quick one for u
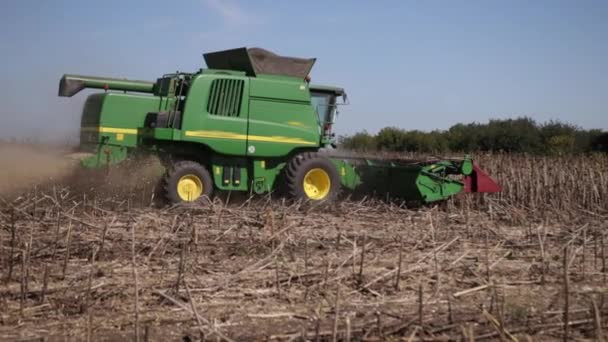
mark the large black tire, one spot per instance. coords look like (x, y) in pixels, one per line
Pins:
(304, 166)
(182, 180)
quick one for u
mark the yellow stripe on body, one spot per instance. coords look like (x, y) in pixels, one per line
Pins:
(103, 129)
(216, 134)
(210, 134)
(280, 139)
(297, 124)
(235, 136)
(117, 130)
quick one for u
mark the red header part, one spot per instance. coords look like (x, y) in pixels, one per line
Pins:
(479, 181)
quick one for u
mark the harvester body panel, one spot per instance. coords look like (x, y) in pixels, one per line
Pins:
(113, 118)
(281, 118)
(216, 113)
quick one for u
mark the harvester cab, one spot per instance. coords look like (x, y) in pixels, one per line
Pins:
(251, 122)
(324, 100)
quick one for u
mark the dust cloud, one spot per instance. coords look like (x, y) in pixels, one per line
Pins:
(25, 166)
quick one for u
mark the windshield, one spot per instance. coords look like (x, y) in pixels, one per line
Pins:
(324, 104)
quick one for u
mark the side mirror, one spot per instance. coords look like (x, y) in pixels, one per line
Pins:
(345, 99)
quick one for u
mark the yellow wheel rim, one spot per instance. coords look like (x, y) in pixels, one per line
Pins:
(189, 188)
(317, 184)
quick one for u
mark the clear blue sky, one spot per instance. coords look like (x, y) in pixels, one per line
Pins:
(412, 64)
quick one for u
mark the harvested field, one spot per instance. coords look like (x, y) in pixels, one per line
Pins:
(529, 262)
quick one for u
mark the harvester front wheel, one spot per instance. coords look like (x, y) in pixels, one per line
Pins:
(310, 176)
(187, 181)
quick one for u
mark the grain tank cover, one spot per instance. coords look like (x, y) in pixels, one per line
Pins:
(256, 61)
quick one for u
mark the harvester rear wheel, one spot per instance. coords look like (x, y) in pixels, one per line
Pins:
(187, 181)
(310, 176)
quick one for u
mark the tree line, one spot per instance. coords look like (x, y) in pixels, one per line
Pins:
(521, 135)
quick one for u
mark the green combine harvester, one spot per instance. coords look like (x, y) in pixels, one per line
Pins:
(251, 122)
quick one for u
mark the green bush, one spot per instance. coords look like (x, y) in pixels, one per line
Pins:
(520, 135)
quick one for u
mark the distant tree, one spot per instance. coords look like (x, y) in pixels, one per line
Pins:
(464, 138)
(439, 141)
(558, 137)
(511, 135)
(412, 141)
(418, 141)
(560, 144)
(520, 135)
(555, 128)
(600, 143)
(584, 140)
(390, 139)
(361, 141)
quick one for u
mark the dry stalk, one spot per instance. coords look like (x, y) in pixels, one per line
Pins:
(89, 337)
(450, 317)
(338, 238)
(348, 328)
(326, 274)
(398, 275)
(193, 232)
(487, 258)
(136, 282)
(500, 330)
(336, 314)
(86, 307)
(541, 247)
(435, 260)
(67, 250)
(276, 277)
(306, 255)
(583, 263)
(595, 251)
(28, 256)
(22, 287)
(53, 254)
(379, 324)
(467, 332)
(412, 336)
(193, 307)
(354, 262)
(181, 265)
(420, 305)
(103, 237)
(603, 256)
(185, 308)
(360, 277)
(597, 321)
(13, 230)
(566, 295)
(317, 329)
(415, 265)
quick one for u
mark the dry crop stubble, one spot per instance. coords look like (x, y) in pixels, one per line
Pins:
(477, 268)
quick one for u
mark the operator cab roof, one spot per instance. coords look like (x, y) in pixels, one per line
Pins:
(327, 89)
(256, 61)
